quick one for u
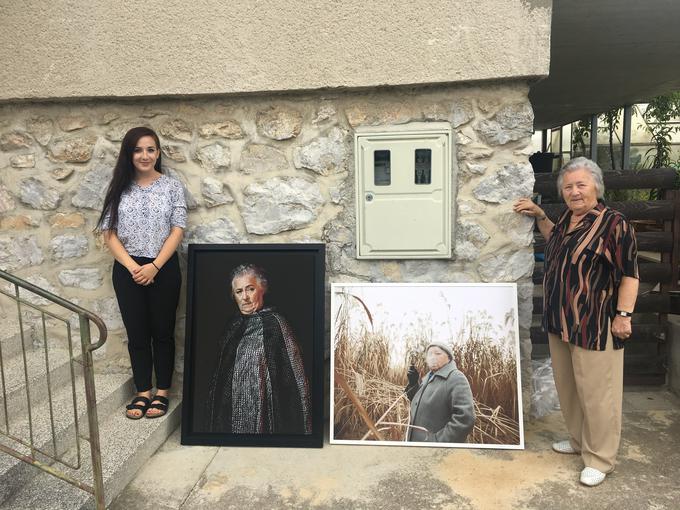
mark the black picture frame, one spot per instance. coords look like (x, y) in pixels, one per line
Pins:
(295, 274)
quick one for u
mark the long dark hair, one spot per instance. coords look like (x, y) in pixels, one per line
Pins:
(124, 172)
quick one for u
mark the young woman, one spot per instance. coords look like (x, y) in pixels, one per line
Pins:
(143, 221)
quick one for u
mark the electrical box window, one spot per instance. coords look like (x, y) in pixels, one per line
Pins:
(382, 175)
(423, 166)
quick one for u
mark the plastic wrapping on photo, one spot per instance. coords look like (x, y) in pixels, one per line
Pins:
(543, 393)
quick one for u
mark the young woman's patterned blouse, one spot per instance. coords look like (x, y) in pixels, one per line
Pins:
(146, 215)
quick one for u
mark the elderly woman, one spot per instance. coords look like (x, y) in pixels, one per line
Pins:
(259, 384)
(442, 408)
(589, 288)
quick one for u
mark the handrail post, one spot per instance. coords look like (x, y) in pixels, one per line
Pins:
(625, 143)
(672, 227)
(675, 254)
(593, 137)
(93, 423)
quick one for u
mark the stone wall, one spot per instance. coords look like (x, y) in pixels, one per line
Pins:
(261, 169)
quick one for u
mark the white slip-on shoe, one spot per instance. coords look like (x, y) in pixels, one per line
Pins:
(563, 447)
(592, 477)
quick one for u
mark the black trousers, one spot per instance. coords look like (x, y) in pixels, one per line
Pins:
(149, 316)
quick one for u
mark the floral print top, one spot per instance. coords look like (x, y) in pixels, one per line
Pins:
(146, 215)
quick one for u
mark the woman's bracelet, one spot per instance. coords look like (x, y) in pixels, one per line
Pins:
(154, 265)
(541, 218)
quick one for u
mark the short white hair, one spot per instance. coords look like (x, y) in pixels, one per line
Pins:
(258, 272)
(585, 164)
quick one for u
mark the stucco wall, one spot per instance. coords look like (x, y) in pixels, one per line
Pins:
(68, 49)
(261, 169)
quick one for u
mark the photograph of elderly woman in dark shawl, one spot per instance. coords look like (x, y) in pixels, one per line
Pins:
(253, 354)
(259, 384)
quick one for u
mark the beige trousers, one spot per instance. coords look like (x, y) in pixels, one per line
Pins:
(590, 388)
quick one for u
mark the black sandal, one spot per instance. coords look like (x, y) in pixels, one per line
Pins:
(162, 405)
(140, 403)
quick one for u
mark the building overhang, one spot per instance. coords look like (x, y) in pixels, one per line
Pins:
(605, 54)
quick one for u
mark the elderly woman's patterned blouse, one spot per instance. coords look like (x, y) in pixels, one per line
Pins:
(583, 271)
(146, 215)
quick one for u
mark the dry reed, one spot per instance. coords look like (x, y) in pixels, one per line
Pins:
(363, 358)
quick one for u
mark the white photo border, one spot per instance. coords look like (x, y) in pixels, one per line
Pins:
(335, 288)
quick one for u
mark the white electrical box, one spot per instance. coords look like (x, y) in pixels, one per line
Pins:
(403, 191)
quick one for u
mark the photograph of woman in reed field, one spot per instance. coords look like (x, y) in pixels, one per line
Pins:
(381, 337)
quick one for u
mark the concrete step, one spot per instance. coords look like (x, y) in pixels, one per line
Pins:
(10, 332)
(126, 446)
(42, 368)
(112, 391)
(10, 338)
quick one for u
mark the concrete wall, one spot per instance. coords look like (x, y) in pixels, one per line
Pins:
(261, 169)
(71, 49)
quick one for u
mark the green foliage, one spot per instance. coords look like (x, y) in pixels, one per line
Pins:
(660, 112)
(625, 195)
(611, 118)
(660, 121)
(580, 130)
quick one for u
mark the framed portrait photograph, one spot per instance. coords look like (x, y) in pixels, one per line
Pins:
(253, 359)
(433, 364)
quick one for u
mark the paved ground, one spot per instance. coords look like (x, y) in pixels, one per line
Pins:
(373, 477)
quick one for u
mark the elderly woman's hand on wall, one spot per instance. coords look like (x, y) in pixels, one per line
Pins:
(527, 207)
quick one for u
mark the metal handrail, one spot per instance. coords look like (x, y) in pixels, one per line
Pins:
(61, 302)
(87, 347)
